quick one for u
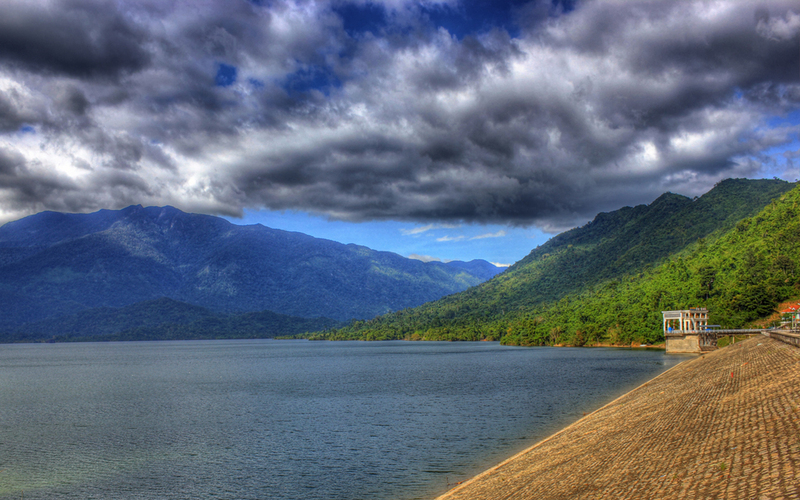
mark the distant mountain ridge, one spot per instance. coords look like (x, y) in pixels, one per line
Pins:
(56, 264)
(477, 267)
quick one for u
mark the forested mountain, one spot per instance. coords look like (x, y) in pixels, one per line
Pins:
(56, 265)
(735, 250)
(164, 319)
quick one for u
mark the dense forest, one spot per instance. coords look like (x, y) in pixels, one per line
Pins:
(164, 319)
(735, 250)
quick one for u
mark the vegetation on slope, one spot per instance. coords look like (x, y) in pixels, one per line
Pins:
(609, 280)
(739, 277)
(164, 319)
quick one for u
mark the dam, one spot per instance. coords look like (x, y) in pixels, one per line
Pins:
(725, 424)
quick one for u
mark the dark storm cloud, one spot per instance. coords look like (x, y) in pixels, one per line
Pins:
(78, 37)
(711, 57)
(539, 113)
(11, 119)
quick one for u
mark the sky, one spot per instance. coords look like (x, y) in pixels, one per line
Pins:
(449, 129)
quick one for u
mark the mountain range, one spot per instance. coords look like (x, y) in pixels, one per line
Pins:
(56, 268)
(158, 273)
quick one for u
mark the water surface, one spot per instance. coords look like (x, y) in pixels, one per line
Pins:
(266, 419)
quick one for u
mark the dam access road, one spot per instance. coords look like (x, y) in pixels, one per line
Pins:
(725, 425)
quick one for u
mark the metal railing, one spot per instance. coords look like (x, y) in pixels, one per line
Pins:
(721, 331)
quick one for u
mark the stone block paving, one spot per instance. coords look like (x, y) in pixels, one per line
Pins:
(725, 425)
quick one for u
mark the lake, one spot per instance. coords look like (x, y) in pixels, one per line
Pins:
(274, 419)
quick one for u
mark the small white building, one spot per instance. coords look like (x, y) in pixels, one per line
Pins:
(687, 330)
(687, 320)
(791, 317)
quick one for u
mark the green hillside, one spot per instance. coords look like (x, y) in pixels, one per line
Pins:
(609, 280)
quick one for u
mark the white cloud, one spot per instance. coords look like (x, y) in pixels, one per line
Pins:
(428, 227)
(498, 234)
(424, 258)
(450, 238)
(783, 27)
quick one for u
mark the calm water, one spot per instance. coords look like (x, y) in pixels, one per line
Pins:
(265, 419)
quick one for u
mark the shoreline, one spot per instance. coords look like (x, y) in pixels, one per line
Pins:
(517, 455)
(708, 427)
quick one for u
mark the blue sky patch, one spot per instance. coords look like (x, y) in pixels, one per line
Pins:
(498, 243)
(361, 18)
(475, 16)
(311, 78)
(226, 75)
(791, 119)
(472, 17)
